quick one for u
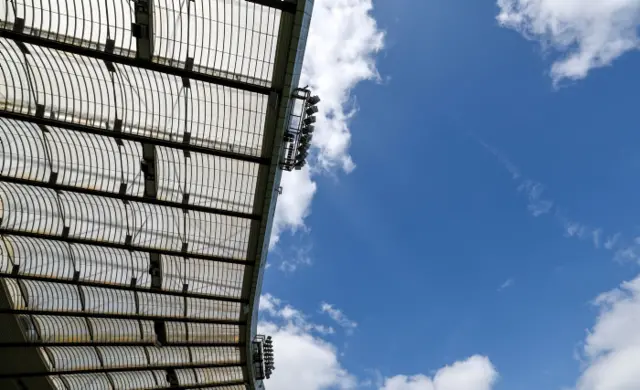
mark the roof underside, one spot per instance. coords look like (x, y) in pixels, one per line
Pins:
(135, 192)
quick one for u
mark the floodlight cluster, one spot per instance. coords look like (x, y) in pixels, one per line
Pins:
(267, 350)
(306, 131)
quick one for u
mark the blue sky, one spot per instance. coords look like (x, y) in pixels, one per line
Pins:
(494, 197)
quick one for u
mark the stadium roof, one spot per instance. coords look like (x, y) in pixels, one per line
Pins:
(140, 145)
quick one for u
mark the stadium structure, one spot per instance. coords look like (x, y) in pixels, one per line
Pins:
(141, 148)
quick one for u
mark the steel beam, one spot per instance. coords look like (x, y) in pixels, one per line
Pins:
(122, 287)
(204, 386)
(116, 316)
(132, 137)
(43, 344)
(133, 61)
(130, 198)
(118, 369)
(136, 248)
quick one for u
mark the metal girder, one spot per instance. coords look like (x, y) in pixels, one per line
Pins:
(121, 287)
(119, 369)
(42, 344)
(126, 246)
(204, 385)
(283, 5)
(132, 61)
(132, 137)
(126, 197)
(264, 203)
(84, 314)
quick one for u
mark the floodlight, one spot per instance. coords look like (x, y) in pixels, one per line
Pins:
(312, 110)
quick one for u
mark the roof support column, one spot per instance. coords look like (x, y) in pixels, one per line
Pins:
(142, 29)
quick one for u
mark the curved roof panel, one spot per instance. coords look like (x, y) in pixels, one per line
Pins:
(140, 145)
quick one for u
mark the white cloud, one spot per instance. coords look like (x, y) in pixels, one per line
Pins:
(269, 304)
(287, 314)
(343, 40)
(341, 48)
(475, 373)
(294, 204)
(304, 361)
(587, 33)
(338, 316)
(612, 347)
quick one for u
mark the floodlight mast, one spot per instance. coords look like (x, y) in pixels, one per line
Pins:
(263, 357)
(299, 132)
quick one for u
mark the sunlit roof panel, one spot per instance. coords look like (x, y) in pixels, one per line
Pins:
(81, 90)
(201, 332)
(208, 375)
(135, 186)
(105, 220)
(235, 39)
(97, 381)
(139, 380)
(231, 39)
(81, 23)
(202, 276)
(60, 329)
(68, 299)
(211, 181)
(40, 258)
(100, 163)
(88, 358)
(222, 374)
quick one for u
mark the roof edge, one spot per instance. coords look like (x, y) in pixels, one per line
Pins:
(298, 31)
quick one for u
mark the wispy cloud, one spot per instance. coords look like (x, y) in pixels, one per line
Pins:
(531, 188)
(578, 230)
(507, 283)
(295, 257)
(612, 241)
(506, 163)
(597, 237)
(538, 205)
(274, 308)
(338, 316)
